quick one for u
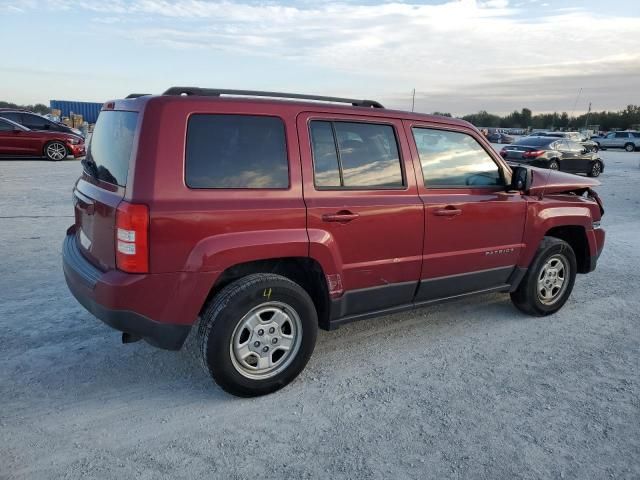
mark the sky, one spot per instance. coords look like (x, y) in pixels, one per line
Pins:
(460, 56)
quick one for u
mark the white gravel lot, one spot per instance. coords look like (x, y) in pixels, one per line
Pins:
(471, 389)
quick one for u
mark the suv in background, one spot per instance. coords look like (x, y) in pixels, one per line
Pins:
(33, 121)
(629, 140)
(264, 219)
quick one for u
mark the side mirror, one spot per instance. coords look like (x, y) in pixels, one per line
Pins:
(521, 179)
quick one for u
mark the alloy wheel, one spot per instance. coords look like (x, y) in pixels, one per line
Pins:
(56, 151)
(553, 279)
(266, 340)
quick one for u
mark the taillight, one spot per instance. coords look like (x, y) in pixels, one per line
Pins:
(533, 154)
(132, 237)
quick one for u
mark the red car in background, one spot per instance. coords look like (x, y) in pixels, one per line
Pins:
(17, 140)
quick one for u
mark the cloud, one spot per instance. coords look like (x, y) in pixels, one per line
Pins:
(443, 48)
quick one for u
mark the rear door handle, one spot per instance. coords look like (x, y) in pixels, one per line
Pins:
(449, 211)
(343, 216)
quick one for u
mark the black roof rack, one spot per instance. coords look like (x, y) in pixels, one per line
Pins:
(136, 95)
(216, 92)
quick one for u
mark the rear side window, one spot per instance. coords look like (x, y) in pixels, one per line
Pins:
(236, 151)
(454, 159)
(111, 146)
(355, 155)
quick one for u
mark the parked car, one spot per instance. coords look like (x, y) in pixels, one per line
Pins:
(574, 137)
(265, 219)
(17, 140)
(555, 154)
(628, 140)
(33, 121)
(497, 137)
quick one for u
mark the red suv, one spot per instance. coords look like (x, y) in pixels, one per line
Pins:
(265, 219)
(17, 140)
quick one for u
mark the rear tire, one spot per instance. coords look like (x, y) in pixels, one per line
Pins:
(554, 165)
(549, 279)
(630, 147)
(55, 151)
(258, 334)
(596, 169)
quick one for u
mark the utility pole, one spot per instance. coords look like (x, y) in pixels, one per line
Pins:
(413, 99)
(576, 102)
(586, 123)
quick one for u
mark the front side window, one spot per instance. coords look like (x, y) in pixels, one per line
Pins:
(355, 155)
(622, 135)
(236, 151)
(454, 159)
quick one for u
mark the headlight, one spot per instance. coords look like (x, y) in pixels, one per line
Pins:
(73, 141)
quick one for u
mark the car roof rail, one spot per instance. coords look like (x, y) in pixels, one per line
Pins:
(137, 95)
(217, 92)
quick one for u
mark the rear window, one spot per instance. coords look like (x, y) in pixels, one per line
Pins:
(355, 155)
(535, 141)
(111, 145)
(236, 151)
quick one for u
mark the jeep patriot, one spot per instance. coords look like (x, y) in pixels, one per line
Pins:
(264, 216)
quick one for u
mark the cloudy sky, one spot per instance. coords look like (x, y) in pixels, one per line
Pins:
(460, 55)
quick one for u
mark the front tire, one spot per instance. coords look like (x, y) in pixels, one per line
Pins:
(549, 279)
(630, 147)
(596, 169)
(55, 151)
(554, 165)
(258, 334)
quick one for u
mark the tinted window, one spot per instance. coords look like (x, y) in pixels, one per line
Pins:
(622, 135)
(13, 116)
(111, 145)
(35, 122)
(5, 126)
(635, 134)
(454, 159)
(325, 158)
(367, 155)
(236, 151)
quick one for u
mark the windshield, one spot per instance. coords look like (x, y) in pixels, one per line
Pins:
(110, 148)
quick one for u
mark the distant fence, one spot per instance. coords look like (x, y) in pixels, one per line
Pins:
(88, 110)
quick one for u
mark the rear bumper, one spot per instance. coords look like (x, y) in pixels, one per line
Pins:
(97, 291)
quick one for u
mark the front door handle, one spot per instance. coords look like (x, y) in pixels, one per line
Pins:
(343, 216)
(448, 211)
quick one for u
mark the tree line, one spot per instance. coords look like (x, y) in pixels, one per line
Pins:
(40, 108)
(620, 120)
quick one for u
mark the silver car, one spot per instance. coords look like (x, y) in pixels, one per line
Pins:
(630, 141)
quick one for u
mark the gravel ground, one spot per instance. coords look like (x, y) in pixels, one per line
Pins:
(471, 389)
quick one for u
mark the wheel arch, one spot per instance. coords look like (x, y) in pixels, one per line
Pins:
(305, 271)
(576, 236)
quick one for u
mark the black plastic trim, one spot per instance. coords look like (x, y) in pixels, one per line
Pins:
(87, 272)
(362, 301)
(443, 287)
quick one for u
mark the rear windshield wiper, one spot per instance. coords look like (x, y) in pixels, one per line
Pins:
(90, 167)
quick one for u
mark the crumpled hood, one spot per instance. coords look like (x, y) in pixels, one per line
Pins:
(546, 181)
